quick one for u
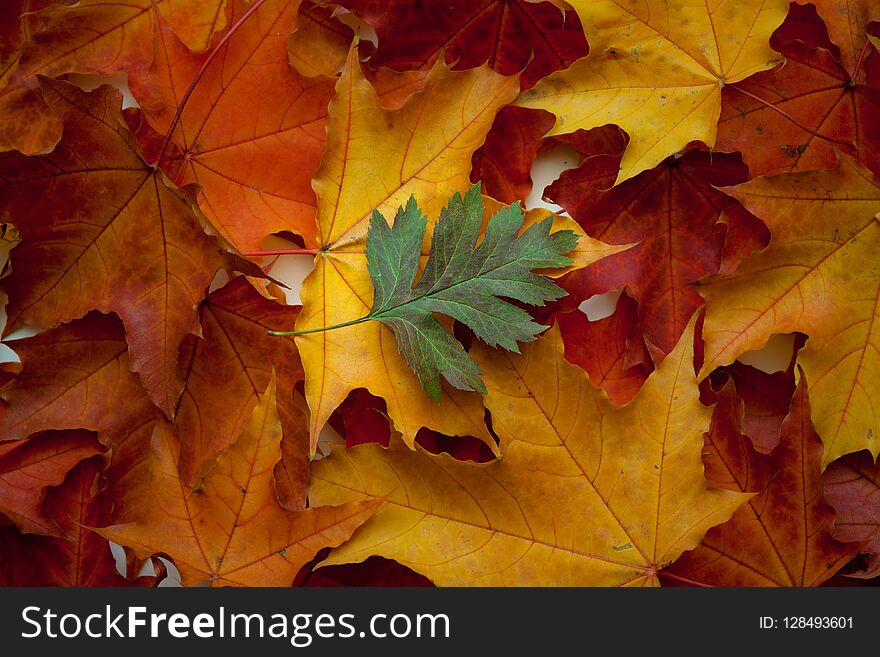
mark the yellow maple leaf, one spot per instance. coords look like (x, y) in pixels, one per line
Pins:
(656, 69)
(587, 493)
(376, 158)
(820, 276)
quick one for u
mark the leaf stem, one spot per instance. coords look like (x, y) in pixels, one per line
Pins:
(790, 117)
(687, 580)
(320, 329)
(280, 252)
(861, 59)
(201, 72)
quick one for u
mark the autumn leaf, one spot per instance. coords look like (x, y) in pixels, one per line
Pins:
(364, 419)
(26, 123)
(231, 531)
(587, 493)
(818, 277)
(781, 537)
(79, 376)
(847, 22)
(852, 487)
(794, 117)
(28, 467)
(247, 128)
(503, 164)
(102, 230)
(320, 44)
(605, 349)
(227, 368)
(82, 558)
(657, 71)
(511, 36)
(373, 572)
(426, 147)
(9, 239)
(804, 24)
(155, 404)
(730, 460)
(674, 213)
(89, 37)
(766, 398)
(420, 160)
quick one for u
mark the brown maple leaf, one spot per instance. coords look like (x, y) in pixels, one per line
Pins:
(675, 214)
(611, 350)
(852, 487)
(794, 117)
(231, 529)
(227, 368)
(100, 37)
(81, 558)
(320, 43)
(511, 36)
(818, 277)
(79, 376)
(103, 230)
(28, 467)
(783, 536)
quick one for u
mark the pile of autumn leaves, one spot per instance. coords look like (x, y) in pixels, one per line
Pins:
(727, 183)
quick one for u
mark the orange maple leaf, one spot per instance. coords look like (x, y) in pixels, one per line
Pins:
(231, 530)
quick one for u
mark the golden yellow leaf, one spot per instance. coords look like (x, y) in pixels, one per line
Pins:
(376, 158)
(231, 530)
(820, 275)
(656, 69)
(587, 493)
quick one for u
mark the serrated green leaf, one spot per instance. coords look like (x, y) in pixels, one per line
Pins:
(462, 280)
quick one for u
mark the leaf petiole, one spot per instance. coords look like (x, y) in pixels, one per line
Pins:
(320, 329)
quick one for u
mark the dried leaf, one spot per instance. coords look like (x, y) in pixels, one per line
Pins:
(82, 558)
(673, 212)
(815, 92)
(503, 164)
(321, 41)
(587, 493)
(656, 69)
(227, 369)
(819, 277)
(98, 37)
(847, 22)
(781, 537)
(605, 348)
(79, 376)
(231, 531)
(852, 487)
(101, 230)
(511, 36)
(426, 148)
(28, 467)
(252, 131)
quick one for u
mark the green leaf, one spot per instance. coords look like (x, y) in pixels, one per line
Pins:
(462, 280)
